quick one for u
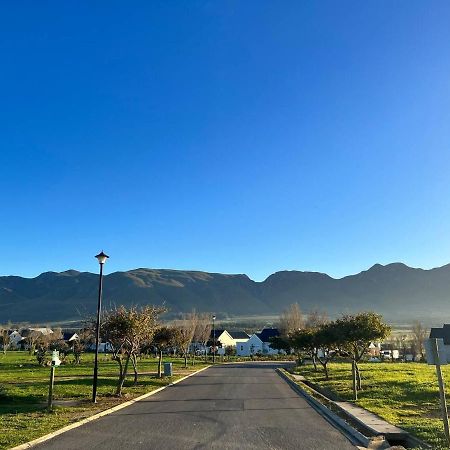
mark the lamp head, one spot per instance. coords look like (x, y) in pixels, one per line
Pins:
(102, 257)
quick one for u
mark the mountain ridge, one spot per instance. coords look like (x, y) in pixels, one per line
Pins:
(395, 290)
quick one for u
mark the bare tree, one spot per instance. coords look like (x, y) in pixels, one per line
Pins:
(31, 338)
(4, 339)
(186, 329)
(86, 338)
(203, 329)
(291, 320)
(419, 334)
(316, 318)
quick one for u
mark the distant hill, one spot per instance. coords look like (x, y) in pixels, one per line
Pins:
(399, 292)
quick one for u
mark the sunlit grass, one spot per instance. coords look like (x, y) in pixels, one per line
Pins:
(405, 394)
(24, 392)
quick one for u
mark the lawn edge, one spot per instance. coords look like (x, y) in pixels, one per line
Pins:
(100, 414)
(353, 435)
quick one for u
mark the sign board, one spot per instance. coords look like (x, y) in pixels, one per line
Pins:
(55, 358)
(430, 352)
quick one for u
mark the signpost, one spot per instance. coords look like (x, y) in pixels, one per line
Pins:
(55, 363)
(436, 356)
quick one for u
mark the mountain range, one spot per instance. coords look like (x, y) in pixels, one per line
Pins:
(399, 292)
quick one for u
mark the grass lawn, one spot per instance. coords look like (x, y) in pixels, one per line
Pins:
(24, 391)
(405, 394)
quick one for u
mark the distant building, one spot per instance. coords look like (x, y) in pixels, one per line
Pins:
(69, 337)
(258, 343)
(239, 336)
(15, 339)
(442, 333)
(222, 338)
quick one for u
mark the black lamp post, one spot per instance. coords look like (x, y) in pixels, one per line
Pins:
(214, 338)
(102, 257)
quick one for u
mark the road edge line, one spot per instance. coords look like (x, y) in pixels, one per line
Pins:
(354, 436)
(100, 414)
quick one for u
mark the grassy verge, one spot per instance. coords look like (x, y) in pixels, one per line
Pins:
(24, 390)
(403, 394)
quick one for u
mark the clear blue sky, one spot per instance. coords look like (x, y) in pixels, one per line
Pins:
(237, 136)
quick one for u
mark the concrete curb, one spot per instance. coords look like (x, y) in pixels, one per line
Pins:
(354, 436)
(100, 414)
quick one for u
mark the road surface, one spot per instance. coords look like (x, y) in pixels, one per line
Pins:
(235, 407)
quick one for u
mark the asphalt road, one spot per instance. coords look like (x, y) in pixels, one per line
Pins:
(239, 406)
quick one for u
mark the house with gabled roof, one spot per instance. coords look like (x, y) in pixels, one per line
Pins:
(222, 338)
(258, 343)
(239, 336)
(69, 336)
(15, 338)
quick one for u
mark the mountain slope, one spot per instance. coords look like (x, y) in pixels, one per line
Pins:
(395, 290)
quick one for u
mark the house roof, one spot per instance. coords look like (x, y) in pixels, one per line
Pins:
(441, 333)
(267, 333)
(216, 334)
(238, 334)
(69, 336)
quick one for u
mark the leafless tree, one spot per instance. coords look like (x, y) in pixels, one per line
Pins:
(186, 329)
(316, 318)
(4, 339)
(291, 320)
(203, 329)
(418, 334)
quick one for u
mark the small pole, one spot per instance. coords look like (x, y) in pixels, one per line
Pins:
(214, 339)
(355, 388)
(50, 389)
(434, 346)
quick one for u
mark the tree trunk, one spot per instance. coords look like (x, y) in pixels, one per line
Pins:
(358, 377)
(134, 362)
(122, 377)
(355, 391)
(160, 364)
(185, 360)
(314, 363)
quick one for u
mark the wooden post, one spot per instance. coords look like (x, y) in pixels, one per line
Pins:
(441, 389)
(50, 389)
(355, 387)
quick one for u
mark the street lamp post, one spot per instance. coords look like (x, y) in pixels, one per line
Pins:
(214, 338)
(102, 257)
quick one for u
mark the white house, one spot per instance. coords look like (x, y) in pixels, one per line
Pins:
(250, 347)
(70, 337)
(239, 336)
(14, 338)
(258, 343)
(222, 338)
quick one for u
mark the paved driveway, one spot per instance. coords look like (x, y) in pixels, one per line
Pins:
(236, 406)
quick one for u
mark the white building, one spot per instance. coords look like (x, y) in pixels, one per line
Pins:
(258, 343)
(14, 339)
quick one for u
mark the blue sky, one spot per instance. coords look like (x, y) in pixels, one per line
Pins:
(238, 137)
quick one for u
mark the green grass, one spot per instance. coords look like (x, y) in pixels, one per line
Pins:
(24, 390)
(405, 394)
